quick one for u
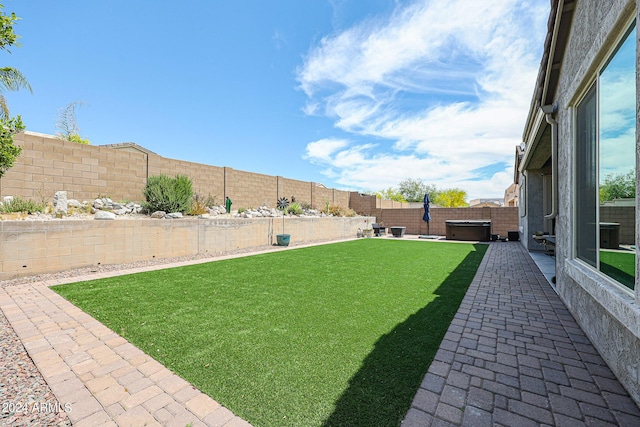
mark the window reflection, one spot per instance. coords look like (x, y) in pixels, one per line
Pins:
(616, 164)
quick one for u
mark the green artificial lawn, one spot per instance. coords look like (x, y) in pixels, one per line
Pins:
(333, 335)
(620, 266)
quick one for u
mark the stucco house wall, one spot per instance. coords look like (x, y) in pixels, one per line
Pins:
(609, 314)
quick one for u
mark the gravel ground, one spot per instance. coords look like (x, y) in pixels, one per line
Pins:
(25, 397)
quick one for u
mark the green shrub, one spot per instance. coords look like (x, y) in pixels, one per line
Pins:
(163, 193)
(241, 210)
(19, 204)
(295, 208)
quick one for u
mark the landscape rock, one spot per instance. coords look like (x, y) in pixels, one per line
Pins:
(104, 215)
(74, 203)
(60, 203)
(106, 208)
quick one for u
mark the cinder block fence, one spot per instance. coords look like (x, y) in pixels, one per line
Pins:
(120, 171)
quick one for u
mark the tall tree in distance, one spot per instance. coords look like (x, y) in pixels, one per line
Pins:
(451, 198)
(390, 194)
(10, 79)
(620, 186)
(413, 190)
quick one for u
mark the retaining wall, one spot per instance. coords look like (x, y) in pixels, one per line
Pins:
(34, 247)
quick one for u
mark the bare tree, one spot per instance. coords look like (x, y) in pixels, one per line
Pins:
(68, 125)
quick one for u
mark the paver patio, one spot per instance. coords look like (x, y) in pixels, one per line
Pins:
(514, 356)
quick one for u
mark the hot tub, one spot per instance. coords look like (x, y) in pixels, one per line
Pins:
(469, 230)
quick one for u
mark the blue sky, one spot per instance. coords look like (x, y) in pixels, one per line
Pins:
(354, 94)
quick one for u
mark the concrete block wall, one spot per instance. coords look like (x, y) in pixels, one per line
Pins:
(321, 196)
(623, 215)
(391, 204)
(366, 204)
(48, 164)
(291, 188)
(247, 189)
(35, 247)
(363, 204)
(503, 219)
(340, 198)
(207, 180)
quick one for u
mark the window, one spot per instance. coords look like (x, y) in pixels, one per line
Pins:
(606, 167)
(586, 194)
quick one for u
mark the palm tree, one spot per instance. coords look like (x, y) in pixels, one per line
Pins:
(10, 78)
(13, 80)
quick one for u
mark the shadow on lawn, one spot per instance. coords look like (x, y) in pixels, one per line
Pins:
(618, 274)
(381, 392)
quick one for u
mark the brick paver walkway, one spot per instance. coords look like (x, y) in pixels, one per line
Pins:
(514, 356)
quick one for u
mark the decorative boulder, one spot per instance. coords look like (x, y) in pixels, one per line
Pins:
(74, 203)
(60, 203)
(105, 215)
(158, 214)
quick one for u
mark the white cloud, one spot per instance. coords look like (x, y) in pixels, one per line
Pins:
(323, 149)
(446, 85)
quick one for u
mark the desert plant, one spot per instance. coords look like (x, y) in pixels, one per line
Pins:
(198, 205)
(79, 210)
(351, 213)
(241, 210)
(294, 208)
(197, 208)
(46, 202)
(163, 193)
(334, 210)
(18, 204)
(210, 201)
